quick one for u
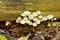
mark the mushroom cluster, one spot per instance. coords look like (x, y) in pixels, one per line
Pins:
(34, 18)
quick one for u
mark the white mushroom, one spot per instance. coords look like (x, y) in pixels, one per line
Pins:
(50, 16)
(55, 19)
(25, 18)
(52, 19)
(27, 21)
(18, 19)
(7, 23)
(34, 24)
(38, 12)
(30, 17)
(26, 13)
(23, 15)
(35, 14)
(38, 21)
(22, 21)
(44, 18)
(30, 23)
(35, 19)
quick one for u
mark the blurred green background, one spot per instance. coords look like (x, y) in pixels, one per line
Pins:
(10, 9)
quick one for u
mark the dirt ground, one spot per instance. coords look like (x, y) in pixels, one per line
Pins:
(17, 30)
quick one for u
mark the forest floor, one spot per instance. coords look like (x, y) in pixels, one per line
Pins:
(15, 30)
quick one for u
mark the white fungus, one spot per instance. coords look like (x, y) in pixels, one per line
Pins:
(38, 12)
(19, 18)
(38, 22)
(55, 19)
(50, 16)
(26, 13)
(17, 21)
(7, 23)
(52, 19)
(22, 22)
(35, 14)
(44, 18)
(34, 24)
(25, 18)
(23, 15)
(30, 17)
(35, 19)
(30, 23)
(27, 21)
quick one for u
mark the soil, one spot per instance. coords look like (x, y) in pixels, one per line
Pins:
(17, 30)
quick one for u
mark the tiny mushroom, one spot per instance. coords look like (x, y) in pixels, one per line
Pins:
(34, 24)
(38, 12)
(7, 23)
(30, 17)
(35, 14)
(50, 16)
(22, 21)
(18, 19)
(26, 13)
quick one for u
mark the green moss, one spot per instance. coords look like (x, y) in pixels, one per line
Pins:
(2, 37)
